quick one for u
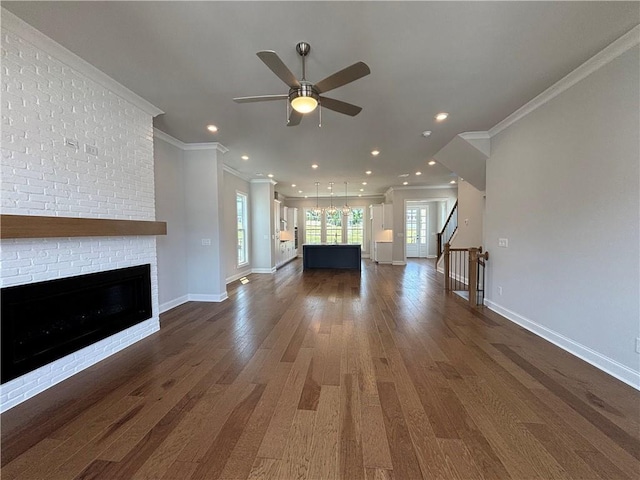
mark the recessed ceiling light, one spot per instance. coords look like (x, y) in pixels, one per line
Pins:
(299, 191)
(441, 116)
(329, 187)
(375, 153)
(426, 133)
(405, 183)
(314, 166)
(432, 162)
(293, 185)
(270, 175)
(359, 194)
(452, 182)
(364, 183)
(368, 172)
(212, 128)
(403, 175)
(418, 173)
(306, 196)
(362, 189)
(245, 157)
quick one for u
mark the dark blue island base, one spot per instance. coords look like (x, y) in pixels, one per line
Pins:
(331, 256)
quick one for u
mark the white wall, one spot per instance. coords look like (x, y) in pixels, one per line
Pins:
(48, 94)
(563, 187)
(203, 175)
(470, 216)
(262, 226)
(170, 208)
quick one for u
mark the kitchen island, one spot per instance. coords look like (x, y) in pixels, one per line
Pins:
(327, 255)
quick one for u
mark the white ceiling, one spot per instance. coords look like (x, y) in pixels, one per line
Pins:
(479, 61)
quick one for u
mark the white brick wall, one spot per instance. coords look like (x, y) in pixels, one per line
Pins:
(43, 102)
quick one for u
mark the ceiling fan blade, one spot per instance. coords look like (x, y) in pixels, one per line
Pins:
(260, 98)
(294, 118)
(340, 106)
(272, 60)
(344, 76)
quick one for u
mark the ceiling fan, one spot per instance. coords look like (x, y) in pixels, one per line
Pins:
(303, 95)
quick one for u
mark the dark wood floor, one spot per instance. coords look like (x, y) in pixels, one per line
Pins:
(330, 374)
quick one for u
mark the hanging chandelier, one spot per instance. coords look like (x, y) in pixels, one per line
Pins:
(331, 210)
(346, 209)
(317, 210)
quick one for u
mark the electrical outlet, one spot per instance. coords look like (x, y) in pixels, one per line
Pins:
(499, 290)
(206, 242)
(70, 142)
(503, 242)
(90, 149)
(638, 345)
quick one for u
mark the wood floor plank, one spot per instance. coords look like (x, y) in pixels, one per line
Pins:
(350, 449)
(274, 441)
(328, 374)
(296, 457)
(210, 466)
(403, 457)
(324, 448)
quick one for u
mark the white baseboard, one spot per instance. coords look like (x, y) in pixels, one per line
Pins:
(399, 263)
(602, 362)
(263, 270)
(366, 255)
(173, 303)
(238, 276)
(200, 297)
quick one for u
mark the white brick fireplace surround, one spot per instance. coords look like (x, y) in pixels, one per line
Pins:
(49, 95)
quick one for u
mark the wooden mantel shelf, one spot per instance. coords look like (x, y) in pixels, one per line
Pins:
(32, 226)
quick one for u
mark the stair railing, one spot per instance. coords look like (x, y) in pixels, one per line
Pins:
(449, 228)
(464, 270)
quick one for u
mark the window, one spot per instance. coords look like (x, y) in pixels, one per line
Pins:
(334, 227)
(355, 226)
(241, 210)
(312, 227)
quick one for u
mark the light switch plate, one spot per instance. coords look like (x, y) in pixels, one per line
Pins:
(503, 242)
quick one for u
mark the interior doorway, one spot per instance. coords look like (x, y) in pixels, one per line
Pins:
(416, 231)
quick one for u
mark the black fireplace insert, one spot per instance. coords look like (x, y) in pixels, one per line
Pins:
(42, 322)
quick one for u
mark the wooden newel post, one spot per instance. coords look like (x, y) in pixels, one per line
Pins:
(473, 275)
(447, 265)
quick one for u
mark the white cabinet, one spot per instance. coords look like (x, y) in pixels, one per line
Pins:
(383, 252)
(286, 252)
(381, 217)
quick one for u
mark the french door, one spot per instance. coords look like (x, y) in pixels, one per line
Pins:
(417, 220)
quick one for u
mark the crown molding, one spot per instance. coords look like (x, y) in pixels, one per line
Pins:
(263, 180)
(617, 48)
(206, 146)
(189, 146)
(236, 173)
(39, 40)
(417, 187)
(475, 135)
(168, 138)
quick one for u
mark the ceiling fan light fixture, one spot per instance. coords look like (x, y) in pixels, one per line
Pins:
(304, 104)
(303, 99)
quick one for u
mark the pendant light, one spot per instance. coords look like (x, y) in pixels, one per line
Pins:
(331, 210)
(317, 210)
(346, 210)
